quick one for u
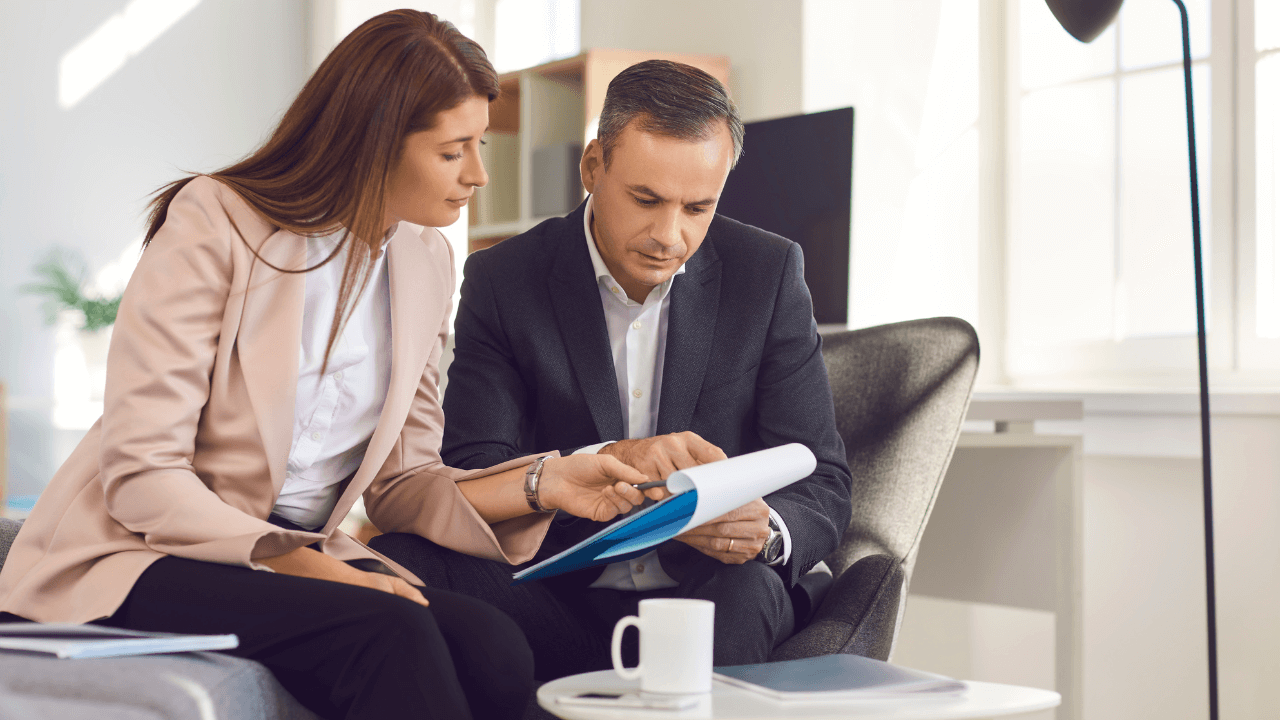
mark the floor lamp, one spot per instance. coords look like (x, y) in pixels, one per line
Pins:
(1085, 20)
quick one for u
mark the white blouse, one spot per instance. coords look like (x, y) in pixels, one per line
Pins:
(335, 413)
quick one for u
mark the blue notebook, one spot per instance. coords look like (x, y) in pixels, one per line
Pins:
(699, 494)
(834, 677)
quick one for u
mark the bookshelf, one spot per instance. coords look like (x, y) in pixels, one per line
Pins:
(543, 110)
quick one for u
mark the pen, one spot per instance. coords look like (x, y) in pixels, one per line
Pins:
(654, 484)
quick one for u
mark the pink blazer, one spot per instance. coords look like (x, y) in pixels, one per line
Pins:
(189, 455)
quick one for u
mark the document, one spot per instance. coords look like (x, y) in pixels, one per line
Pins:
(835, 678)
(71, 641)
(698, 494)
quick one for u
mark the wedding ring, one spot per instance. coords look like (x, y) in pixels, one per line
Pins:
(730, 545)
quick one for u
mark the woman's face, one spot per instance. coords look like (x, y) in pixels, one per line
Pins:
(439, 169)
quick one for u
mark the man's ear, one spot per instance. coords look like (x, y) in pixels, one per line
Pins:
(592, 163)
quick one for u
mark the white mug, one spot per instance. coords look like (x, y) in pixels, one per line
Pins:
(676, 638)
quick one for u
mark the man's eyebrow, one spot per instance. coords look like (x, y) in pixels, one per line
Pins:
(645, 190)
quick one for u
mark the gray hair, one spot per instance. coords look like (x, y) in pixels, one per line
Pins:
(667, 98)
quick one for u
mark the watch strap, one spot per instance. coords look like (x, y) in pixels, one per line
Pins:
(532, 477)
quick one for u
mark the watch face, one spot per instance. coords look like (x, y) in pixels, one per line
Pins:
(772, 547)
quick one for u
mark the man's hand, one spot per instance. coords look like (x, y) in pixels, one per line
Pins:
(658, 457)
(596, 487)
(733, 538)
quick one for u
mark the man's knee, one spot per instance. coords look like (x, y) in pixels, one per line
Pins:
(753, 611)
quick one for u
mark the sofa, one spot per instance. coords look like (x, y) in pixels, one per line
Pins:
(198, 686)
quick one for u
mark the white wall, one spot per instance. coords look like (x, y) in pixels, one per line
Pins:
(762, 39)
(199, 96)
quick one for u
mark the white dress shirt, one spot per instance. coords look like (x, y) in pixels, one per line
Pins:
(335, 413)
(638, 343)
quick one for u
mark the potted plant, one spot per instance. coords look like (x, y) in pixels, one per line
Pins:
(61, 283)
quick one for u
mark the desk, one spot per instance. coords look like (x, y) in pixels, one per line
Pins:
(1007, 528)
(981, 700)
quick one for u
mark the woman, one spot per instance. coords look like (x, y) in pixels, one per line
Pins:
(274, 358)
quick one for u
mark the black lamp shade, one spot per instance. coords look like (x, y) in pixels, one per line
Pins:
(1084, 19)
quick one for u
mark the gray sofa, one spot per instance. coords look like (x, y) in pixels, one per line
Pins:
(198, 686)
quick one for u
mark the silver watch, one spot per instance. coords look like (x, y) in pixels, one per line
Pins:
(531, 478)
(771, 553)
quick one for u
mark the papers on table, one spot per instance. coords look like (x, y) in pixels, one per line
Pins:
(68, 641)
(829, 678)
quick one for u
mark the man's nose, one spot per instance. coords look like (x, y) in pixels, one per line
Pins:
(666, 232)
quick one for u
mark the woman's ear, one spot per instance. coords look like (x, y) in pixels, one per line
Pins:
(592, 163)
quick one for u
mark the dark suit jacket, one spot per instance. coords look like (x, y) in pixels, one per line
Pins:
(532, 368)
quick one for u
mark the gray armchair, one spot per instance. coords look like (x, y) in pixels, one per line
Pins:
(901, 392)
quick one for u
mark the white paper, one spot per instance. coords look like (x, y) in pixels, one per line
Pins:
(729, 484)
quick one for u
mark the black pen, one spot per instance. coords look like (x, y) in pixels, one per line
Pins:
(653, 484)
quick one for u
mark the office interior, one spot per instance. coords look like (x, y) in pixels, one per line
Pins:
(1003, 173)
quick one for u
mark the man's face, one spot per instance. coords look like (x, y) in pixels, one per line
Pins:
(654, 202)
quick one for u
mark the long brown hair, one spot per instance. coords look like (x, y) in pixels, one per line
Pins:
(326, 165)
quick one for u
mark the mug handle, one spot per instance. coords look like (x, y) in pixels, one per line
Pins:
(615, 649)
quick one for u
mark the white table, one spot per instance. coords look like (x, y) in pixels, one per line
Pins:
(980, 700)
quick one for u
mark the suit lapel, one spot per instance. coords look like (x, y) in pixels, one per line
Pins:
(415, 307)
(268, 341)
(575, 295)
(691, 324)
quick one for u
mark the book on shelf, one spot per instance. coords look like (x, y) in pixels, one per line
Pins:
(835, 678)
(72, 641)
(698, 495)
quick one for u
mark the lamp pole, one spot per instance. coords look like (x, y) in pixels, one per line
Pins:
(1206, 458)
(1085, 20)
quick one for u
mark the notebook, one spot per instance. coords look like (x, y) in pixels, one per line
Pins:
(834, 678)
(71, 641)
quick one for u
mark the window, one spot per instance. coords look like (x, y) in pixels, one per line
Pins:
(1099, 251)
(1264, 55)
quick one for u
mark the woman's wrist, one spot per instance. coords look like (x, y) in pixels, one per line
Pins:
(534, 482)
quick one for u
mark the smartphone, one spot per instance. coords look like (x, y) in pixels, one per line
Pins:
(630, 700)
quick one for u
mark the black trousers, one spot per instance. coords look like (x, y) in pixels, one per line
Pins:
(346, 651)
(569, 625)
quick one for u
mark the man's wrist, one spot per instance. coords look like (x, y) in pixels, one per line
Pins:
(778, 525)
(593, 449)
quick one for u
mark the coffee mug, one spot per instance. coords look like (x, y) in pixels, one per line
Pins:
(675, 645)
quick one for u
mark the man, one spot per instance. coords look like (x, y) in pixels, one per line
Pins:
(645, 326)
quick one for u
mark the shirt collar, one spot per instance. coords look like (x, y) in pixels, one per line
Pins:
(597, 262)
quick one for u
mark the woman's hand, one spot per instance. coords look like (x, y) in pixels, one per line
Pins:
(596, 487)
(394, 585)
(305, 562)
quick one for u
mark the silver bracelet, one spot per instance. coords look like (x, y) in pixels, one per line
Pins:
(531, 478)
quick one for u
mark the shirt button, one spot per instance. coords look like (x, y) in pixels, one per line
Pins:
(636, 324)
(614, 290)
(337, 375)
(315, 436)
(640, 567)
(638, 393)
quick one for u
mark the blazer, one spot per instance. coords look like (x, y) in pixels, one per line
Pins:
(743, 366)
(190, 452)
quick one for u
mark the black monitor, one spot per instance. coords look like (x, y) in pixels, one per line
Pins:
(795, 179)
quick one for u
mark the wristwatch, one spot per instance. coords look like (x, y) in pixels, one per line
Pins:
(531, 478)
(771, 553)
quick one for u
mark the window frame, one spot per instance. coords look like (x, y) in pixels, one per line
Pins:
(1237, 356)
